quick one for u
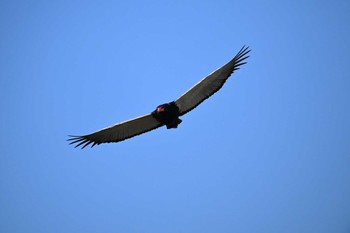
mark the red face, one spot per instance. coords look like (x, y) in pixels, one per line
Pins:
(160, 109)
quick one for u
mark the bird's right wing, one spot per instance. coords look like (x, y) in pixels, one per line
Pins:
(118, 132)
(210, 84)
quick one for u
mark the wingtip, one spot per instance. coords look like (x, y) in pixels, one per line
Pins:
(241, 56)
(71, 137)
(78, 140)
(245, 47)
(244, 50)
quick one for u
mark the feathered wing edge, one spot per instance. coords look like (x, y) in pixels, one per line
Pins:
(117, 132)
(210, 84)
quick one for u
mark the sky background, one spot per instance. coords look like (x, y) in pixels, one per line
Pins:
(269, 152)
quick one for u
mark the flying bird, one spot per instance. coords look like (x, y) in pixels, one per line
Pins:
(165, 114)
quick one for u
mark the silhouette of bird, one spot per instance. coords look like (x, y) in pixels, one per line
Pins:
(166, 114)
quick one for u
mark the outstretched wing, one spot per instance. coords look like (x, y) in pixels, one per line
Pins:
(210, 84)
(118, 132)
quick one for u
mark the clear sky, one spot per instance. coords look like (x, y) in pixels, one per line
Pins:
(269, 152)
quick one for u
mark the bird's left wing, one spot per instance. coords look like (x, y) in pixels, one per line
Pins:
(210, 84)
(118, 132)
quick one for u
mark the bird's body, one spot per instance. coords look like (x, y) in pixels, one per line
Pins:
(166, 114)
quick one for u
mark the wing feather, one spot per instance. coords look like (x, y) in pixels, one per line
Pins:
(210, 84)
(117, 132)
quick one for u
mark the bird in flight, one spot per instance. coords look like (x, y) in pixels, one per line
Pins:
(166, 114)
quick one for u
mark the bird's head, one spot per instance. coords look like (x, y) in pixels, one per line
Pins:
(160, 109)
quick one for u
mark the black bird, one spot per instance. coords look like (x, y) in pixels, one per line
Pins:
(166, 114)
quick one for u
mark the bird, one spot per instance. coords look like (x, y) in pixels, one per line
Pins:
(165, 114)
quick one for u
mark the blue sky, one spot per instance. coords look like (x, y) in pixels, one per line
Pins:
(268, 153)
